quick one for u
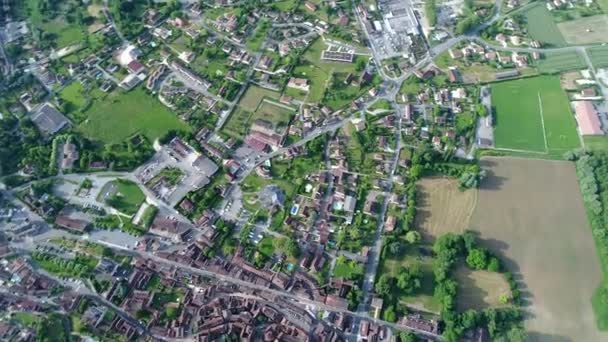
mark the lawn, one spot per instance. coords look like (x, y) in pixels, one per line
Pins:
(266, 246)
(542, 27)
(61, 32)
(285, 5)
(442, 207)
(599, 56)
(237, 124)
(253, 106)
(539, 121)
(423, 298)
(273, 112)
(318, 73)
(74, 94)
(530, 213)
(317, 78)
(596, 142)
(585, 30)
(255, 42)
(254, 96)
(555, 62)
(479, 289)
(122, 114)
(123, 195)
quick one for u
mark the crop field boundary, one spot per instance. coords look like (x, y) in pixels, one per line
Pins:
(542, 121)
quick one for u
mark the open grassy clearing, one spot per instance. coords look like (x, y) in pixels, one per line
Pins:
(285, 5)
(424, 298)
(541, 112)
(531, 215)
(273, 112)
(122, 114)
(596, 142)
(254, 96)
(252, 107)
(599, 56)
(586, 30)
(479, 289)
(317, 78)
(442, 207)
(471, 72)
(238, 123)
(554, 62)
(123, 195)
(74, 94)
(61, 32)
(542, 27)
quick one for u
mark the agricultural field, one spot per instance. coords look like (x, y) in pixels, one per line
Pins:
(479, 289)
(442, 207)
(540, 121)
(585, 30)
(555, 62)
(136, 111)
(542, 27)
(530, 213)
(599, 56)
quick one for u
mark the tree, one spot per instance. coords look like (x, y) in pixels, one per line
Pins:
(408, 279)
(412, 236)
(395, 247)
(389, 314)
(407, 336)
(384, 285)
(494, 265)
(477, 259)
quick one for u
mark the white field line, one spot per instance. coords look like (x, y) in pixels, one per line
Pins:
(542, 121)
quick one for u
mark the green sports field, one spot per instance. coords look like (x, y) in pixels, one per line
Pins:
(533, 115)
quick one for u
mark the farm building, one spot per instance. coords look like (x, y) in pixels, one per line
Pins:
(587, 118)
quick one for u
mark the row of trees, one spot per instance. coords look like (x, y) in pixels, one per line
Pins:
(592, 171)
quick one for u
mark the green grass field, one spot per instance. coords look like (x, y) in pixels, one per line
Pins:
(317, 78)
(599, 56)
(74, 94)
(61, 32)
(254, 96)
(239, 121)
(275, 113)
(542, 27)
(519, 123)
(123, 114)
(424, 297)
(123, 195)
(555, 62)
(285, 5)
(596, 142)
